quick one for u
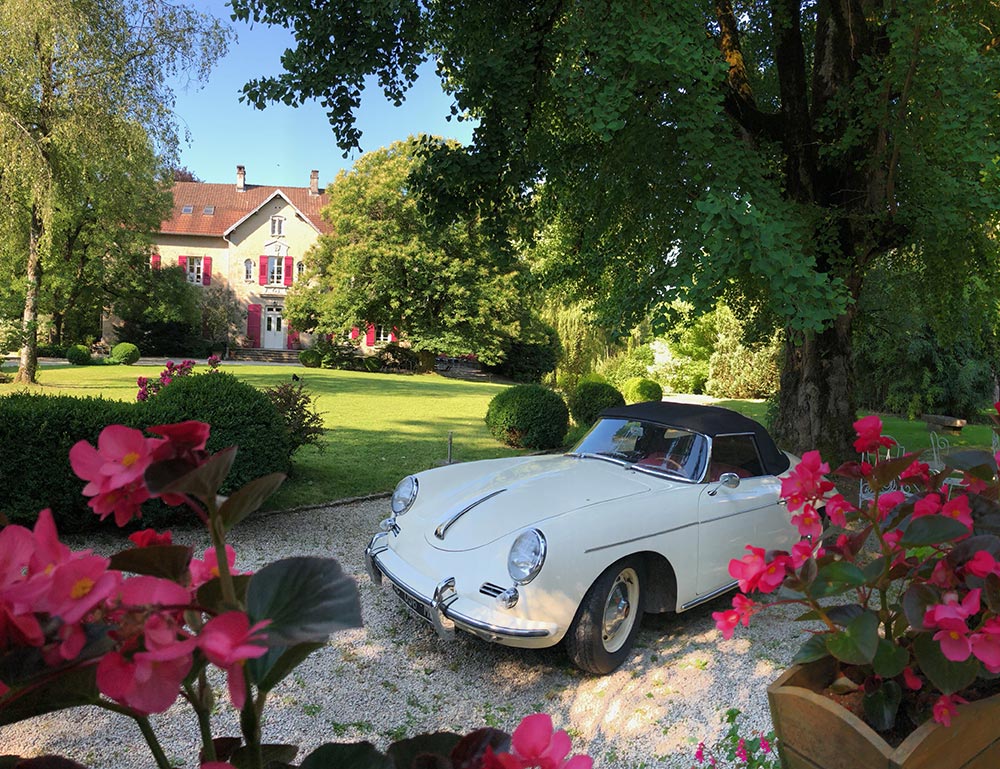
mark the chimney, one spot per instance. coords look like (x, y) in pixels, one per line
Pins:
(314, 182)
(241, 178)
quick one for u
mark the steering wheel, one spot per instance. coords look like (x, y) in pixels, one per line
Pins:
(672, 464)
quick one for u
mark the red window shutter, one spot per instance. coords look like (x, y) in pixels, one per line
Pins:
(154, 261)
(292, 342)
(253, 324)
(355, 333)
(263, 271)
(182, 261)
(392, 335)
(206, 271)
(288, 270)
(370, 336)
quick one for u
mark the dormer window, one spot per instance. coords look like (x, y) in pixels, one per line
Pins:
(277, 226)
(187, 210)
(209, 211)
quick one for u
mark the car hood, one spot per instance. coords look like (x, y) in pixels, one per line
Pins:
(494, 498)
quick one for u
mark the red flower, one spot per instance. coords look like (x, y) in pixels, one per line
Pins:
(228, 641)
(150, 538)
(805, 482)
(121, 457)
(536, 746)
(870, 438)
(946, 707)
(754, 572)
(837, 508)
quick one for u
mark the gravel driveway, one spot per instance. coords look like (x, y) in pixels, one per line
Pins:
(394, 677)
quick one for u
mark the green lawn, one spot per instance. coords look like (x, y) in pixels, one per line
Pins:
(380, 427)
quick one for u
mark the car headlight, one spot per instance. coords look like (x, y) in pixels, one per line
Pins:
(526, 556)
(404, 495)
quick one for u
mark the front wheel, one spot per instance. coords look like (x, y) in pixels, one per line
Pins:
(607, 622)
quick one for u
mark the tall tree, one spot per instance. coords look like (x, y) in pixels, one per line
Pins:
(76, 79)
(382, 263)
(767, 152)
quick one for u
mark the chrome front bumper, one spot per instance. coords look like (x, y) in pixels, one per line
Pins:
(438, 609)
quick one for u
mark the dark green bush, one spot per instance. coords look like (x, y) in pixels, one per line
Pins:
(591, 398)
(125, 353)
(78, 355)
(626, 365)
(529, 417)
(311, 358)
(240, 415)
(395, 357)
(36, 434)
(639, 389)
(529, 361)
(303, 423)
(52, 350)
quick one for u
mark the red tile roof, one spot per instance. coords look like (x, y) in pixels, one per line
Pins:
(232, 205)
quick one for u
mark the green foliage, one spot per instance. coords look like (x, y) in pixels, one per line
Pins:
(639, 389)
(395, 357)
(528, 416)
(161, 314)
(528, 360)
(740, 370)
(591, 398)
(36, 434)
(303, 424)
(311, 357)
(78, 355)
(222, 313)
(240, 415)
(633, 362)
(689, 344)
(125, 353)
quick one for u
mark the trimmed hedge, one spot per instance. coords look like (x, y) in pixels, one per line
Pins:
(639, 389)
(591, 398)
(528, 417)
(78, 355)
(311, 358)
(37, 432)
(125, 353)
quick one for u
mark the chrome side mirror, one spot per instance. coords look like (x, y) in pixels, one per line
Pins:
(729, 480)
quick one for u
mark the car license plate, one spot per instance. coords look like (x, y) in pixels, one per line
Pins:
(412, 604)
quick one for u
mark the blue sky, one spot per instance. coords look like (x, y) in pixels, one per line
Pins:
(280, 145)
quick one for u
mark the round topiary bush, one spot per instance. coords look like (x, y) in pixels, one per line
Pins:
(125, 353)
(639, 389)
(240, 415)
(311, 358)
(591, 398)
(528, 417)
(78, 355)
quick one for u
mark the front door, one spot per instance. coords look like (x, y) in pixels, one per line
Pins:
(274, 336)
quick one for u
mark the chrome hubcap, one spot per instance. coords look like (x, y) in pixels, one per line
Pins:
(620, 610)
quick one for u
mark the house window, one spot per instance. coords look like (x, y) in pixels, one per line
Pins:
(194, 270)
(209, 211)
(275, 270)
(277, 226)
(300, 270)
(383, 334)
(187, 210)
(248, 270)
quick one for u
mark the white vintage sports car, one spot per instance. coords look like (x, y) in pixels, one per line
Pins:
(643, 515)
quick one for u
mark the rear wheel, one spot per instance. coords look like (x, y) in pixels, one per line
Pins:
(607, 622)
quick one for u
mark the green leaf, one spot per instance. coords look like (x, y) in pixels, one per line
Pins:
(991, 593)
(356, 755)
(210, 594)
(857, 643)
(248, 499)
(166, 561)
(203, 482)
(932, 530)
(845, 613)
(814, 648)
(271, 668)
(74, 688)
(948, 676)
(306, 598)
(836, 577)
(243, 758)
(404, 752)
(916, 599)
(882, 705)
(890, 659)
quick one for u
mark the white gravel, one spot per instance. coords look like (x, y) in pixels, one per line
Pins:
(395, 678)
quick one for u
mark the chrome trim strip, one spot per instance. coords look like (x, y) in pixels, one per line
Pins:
(709, 596)
(441, 530)
(742, 512)
(467, 623)
(376, 546)
(644, 536)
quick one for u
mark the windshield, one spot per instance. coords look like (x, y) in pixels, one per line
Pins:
(647, 446)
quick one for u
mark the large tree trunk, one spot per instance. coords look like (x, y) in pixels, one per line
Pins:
(28, 365)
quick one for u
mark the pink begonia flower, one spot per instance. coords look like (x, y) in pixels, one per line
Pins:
(182, 437)
(888, 502)
(958, 508)
(741, 750)
(78, 586)
(121, 457)
(699, 754)
(755, 573)
(726, 621)
(912, 680)
(125, 502)
(943, 575)
(16, 548)
(208, 568)
(986, 644)
(808, 522)
(145, 591)
(917, 469)
(951, 609)
(805, 482)
(837, 509)
(765, 746)
(18, 627)
(982, 564)
(534, 744)
(946, 707)
(929, 505)
(973, 484)
(954, 640)
(48, 551)
(72, 639)
(227, 641)
(870, 438)
(150, 538)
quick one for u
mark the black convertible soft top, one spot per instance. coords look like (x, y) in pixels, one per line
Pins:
(707, 420)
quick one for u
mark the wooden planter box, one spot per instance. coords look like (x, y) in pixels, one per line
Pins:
(817, 733)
